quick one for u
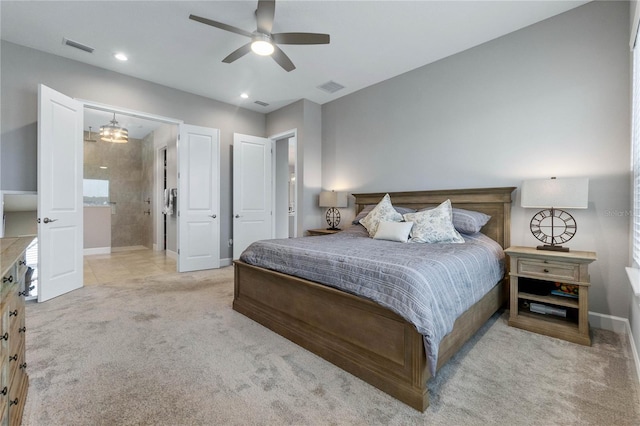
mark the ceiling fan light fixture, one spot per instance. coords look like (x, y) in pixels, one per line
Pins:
(262, 45)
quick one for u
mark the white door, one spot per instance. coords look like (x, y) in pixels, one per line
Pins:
(60, 162)
(252, 215)
(198, 198)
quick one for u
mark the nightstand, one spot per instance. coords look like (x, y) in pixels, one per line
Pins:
(316, 232)
(533, 274)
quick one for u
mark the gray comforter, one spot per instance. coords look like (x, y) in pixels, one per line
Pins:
(430, 285)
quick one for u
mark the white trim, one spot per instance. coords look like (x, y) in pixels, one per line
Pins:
(96, 250)
(634, 279)
(634, 23)
(292, 135)
(127, 248)
(226, 262)
(133, 113)
(617, 325)
(171, 254)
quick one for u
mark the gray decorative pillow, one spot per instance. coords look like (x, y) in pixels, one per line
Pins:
(434, 225)
(383, 211)
(365, 211)
(466, 221)
(469, 221)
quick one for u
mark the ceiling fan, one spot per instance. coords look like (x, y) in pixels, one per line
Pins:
(263, 42)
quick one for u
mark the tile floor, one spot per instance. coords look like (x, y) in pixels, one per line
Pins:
(136, 263)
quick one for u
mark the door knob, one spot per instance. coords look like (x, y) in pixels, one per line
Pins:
(213, 216)
(47, 220)
(237, 216)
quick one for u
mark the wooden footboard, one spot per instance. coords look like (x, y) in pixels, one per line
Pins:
(355, 334)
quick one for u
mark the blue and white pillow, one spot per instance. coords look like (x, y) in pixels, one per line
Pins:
(433, 225)
(384, 211)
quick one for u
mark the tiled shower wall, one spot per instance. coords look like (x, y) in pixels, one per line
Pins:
(124, 162)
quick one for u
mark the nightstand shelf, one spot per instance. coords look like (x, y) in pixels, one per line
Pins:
(531, 272)
(316, 232)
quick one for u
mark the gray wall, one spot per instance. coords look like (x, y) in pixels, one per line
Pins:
(549, 100)
(23, 69)
(306, 117)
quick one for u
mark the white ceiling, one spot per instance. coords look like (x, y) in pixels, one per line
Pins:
(371, 41)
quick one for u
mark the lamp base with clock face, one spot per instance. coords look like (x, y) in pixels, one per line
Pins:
(553, 226)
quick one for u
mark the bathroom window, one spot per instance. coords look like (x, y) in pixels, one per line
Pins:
(96, 192)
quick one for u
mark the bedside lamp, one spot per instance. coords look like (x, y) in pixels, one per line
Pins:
(332, 200)
(554, 226)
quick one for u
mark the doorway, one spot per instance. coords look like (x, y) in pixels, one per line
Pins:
(285, 187)
(121, 201)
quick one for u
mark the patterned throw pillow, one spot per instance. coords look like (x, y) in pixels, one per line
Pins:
(433, 226)
(365, 211)
(383, 211)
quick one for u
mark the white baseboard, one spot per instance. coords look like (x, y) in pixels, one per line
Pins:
(172, 254)
(618, 325)
(96, 250)
(127, 248)
(226, 262)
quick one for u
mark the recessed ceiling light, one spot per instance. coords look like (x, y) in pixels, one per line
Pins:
(244, 96)
(120, 56)
(103, 167)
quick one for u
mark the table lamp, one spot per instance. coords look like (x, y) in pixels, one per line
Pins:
(333, 200)
(552, 225)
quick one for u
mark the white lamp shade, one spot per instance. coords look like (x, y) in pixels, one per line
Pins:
(568, 193)
(333, 199)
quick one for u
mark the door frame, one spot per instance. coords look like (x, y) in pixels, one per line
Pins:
(158, 224)
(289, 134)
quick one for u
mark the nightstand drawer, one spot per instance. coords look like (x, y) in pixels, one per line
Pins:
(549, 270)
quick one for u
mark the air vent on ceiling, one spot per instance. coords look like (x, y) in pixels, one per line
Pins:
(77, 45)
(331, 87)
(262, 103)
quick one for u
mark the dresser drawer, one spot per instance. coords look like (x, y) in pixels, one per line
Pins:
(549, 270)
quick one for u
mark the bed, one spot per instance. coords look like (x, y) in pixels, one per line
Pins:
(361, 336)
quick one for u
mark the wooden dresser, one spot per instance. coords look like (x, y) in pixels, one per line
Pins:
(14, 381)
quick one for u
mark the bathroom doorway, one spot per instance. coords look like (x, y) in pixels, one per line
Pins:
(121, 200)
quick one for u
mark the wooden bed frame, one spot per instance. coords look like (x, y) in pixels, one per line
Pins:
(358, 335)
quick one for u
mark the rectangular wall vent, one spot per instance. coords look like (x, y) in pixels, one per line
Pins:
(331, 87)
(77, 45)
(264, 104)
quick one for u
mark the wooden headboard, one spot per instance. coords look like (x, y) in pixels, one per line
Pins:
(496, 202)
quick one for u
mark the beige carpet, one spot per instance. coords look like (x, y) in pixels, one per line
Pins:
(169, 350)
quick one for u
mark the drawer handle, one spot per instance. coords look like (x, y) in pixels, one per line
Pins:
(8, 279)
(14, 402)
(23, 293)
(23, 365)
(22, 329)
(4, 391)
(22, 262)
(546, 271)
(5, 336)
(13, 358)
(14, 313)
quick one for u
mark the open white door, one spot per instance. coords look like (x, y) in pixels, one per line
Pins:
(60, 172)
(252, 213)
(198, 198)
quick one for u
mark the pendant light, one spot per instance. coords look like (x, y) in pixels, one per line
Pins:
(112, 132)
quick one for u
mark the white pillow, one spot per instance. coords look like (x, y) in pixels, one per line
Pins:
(393, 231)
(434, 226)
(383, 211)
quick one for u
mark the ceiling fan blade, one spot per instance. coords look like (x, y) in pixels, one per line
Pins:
(264, 15)
(221, 25)
(283, 60)
(238, 53)
(300, 38)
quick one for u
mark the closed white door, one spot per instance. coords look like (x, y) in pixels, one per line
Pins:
(198, 198)
(252, 211)
(60, 161)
